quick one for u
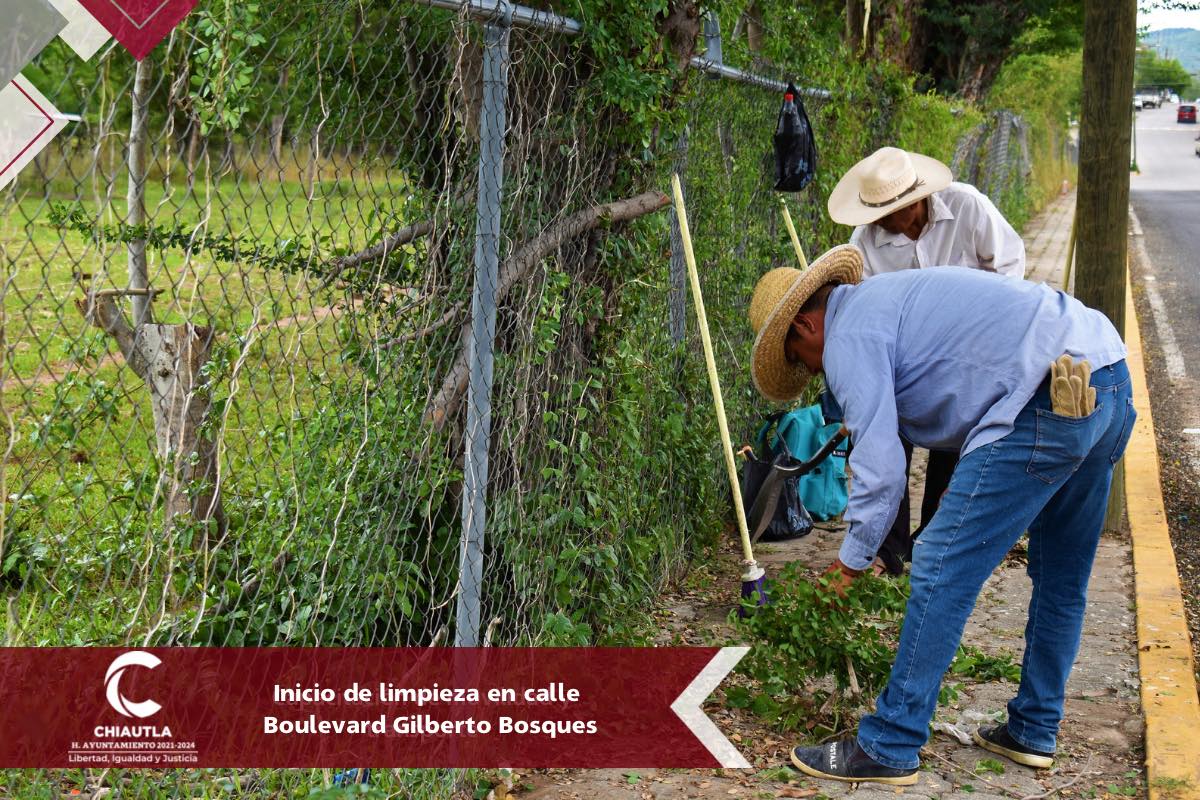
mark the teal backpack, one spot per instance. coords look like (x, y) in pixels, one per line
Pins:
(824, 491)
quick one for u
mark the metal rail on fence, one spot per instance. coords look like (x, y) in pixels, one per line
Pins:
(519, 16)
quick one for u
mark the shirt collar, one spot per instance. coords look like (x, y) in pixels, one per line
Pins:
(938, 212)
(834, 302)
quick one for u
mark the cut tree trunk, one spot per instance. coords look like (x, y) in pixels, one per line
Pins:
(176, 355)
(314, 163)
(278, 121)
(135, 193)
(195, 143)
(168, 358)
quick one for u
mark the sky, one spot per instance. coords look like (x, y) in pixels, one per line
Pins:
(1157, 20)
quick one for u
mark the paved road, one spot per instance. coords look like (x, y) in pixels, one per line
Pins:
(1165, 199)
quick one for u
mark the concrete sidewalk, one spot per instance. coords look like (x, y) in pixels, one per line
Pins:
(1101, 739)
(1047, 237)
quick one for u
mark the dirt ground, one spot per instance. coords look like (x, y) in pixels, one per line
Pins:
(1100, 746)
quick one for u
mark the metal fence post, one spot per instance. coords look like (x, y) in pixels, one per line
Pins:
(712, 39)
(480, 353)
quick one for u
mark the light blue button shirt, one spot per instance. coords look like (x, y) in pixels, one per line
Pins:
(946, 358)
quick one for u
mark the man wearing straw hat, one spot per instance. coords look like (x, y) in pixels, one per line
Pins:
(909, 214)
(1030, 386)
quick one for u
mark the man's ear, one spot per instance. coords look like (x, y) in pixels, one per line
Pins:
(803, 326)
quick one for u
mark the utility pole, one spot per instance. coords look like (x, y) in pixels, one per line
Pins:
(1102, 205)
(1109, 37)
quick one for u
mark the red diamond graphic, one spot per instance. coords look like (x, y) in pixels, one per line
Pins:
(139, 25)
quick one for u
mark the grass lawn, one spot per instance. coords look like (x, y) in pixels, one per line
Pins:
(82, 472)
(210, 784)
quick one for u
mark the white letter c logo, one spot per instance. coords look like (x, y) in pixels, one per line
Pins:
(112, 680)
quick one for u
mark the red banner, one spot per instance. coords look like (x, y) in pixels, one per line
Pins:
(139, 25)
(403, 707)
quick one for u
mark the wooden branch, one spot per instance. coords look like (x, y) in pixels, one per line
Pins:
(378, 251)
(127, 293)
(518, 266)
(445, 319)
(855, 691)
(100, 309)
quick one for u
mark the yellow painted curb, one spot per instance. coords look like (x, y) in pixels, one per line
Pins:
(1169, 698)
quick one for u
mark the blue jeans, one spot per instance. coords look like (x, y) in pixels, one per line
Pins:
(1050, 476)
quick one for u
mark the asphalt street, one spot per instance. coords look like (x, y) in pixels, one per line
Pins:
(1165, 199)
(1165, 258)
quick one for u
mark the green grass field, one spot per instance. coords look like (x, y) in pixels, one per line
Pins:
(82, 549)
(210, 784)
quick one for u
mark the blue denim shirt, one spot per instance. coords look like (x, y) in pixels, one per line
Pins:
(946, 358)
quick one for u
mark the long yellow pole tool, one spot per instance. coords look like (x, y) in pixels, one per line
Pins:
(754, 573)
(787, 220)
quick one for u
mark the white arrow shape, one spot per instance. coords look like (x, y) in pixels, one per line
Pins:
(687, 708)
(27, 124)
(83, 33)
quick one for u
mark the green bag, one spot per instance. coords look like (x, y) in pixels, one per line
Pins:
(803, 431)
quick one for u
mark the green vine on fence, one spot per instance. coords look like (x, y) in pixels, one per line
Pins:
(288, 255)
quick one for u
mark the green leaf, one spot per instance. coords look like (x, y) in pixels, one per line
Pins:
(737, 697)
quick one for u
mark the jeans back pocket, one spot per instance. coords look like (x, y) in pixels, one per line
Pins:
(1062, 443)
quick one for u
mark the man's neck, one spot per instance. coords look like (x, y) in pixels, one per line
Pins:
(919, 221)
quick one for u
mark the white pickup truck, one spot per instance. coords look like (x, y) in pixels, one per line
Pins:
(1149, 99)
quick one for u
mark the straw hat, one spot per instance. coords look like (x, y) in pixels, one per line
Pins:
(888, 179)
(777, 297)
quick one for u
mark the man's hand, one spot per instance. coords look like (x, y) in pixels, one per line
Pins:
(840, 577)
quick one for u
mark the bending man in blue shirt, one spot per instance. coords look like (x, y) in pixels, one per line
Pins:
(955, 359)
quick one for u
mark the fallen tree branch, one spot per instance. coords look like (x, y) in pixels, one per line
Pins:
(518, 266)
(445, 319)
(855, 691)
(377, 251)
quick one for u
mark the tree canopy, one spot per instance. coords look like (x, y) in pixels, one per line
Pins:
(1152, 72)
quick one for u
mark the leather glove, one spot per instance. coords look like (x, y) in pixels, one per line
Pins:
(840, 577)
(1070, 392)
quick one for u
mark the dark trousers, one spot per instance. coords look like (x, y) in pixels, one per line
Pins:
(897, 547)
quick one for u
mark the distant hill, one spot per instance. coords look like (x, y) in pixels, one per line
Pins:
(1182, 44)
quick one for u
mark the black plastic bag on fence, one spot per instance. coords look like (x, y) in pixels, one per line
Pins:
(795, 147)
(774, 511)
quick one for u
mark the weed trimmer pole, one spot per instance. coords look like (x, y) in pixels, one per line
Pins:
(754, 579)
(787, 220)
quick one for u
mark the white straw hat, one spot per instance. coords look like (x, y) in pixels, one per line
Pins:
(778, 296)
(886, 180)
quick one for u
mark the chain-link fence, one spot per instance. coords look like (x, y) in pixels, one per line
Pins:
(994, 157)
(353, 323)
(245, 373)
(236, 363)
